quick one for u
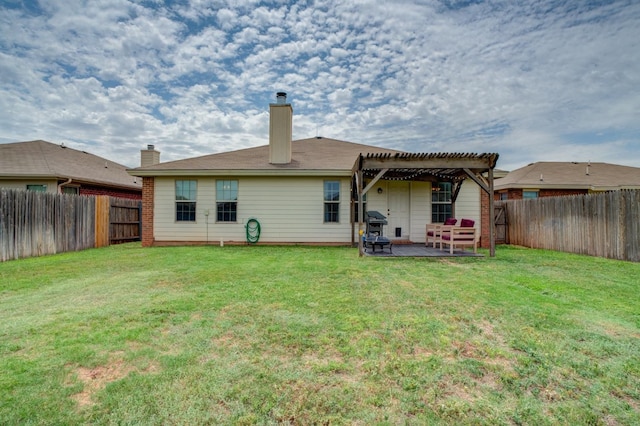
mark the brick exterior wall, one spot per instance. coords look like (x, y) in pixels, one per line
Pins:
(112, 192)
(485, 218)
(560, 192)
(516, 194)
(512, 194)
(148, 189)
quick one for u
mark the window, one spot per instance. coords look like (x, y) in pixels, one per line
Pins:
(529, 194)
(227, 200)
(70, 190)
(504, 196)
(186, 200)
(440, 202)
(38, 188)
(331, 201)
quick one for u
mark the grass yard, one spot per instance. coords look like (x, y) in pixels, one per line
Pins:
(316, 335)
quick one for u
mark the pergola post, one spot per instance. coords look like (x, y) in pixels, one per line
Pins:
(360, 213)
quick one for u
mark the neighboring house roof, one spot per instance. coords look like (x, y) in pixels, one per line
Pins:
(313, 156)
(571, 175)
(40, 159)
(499, 173)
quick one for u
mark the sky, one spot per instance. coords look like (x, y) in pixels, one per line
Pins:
(537, 80)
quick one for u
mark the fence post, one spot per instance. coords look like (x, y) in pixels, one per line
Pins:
(103, 205)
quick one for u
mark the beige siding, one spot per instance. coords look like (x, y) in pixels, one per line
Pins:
(420, 210)
(288, 209)
(378, 201)
(52, 185)
(468, 203)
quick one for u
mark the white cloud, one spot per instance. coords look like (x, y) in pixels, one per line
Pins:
(532, 81)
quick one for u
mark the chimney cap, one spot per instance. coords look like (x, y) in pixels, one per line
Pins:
(151, 147)
(281, 97)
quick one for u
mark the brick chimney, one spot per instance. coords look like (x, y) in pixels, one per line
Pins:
(149, 156)
(280, 130)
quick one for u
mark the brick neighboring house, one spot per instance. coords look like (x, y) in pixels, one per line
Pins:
(548, 179)
(45, 166)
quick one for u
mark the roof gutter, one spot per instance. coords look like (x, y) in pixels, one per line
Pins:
(81, 182)
(502, 186)
(613, 188)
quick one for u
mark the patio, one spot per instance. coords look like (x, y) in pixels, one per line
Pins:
(454, 168)
(419, 250)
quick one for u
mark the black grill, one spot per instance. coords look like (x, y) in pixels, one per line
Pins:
(375, 221)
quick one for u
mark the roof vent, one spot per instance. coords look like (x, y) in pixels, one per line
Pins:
(281, 98)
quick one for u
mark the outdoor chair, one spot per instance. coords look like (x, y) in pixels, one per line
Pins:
(433, 231)
(460, 236)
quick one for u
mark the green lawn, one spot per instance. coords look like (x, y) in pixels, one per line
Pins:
(316, 335)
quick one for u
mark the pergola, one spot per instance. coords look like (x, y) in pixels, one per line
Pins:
(432, 167)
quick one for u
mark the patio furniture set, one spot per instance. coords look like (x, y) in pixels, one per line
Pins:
(437, 234)
(447, 233)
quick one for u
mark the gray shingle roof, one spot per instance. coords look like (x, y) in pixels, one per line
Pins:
(571, 175)
(48, 160)
(319, 154)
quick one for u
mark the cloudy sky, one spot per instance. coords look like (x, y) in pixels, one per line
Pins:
(533, 80)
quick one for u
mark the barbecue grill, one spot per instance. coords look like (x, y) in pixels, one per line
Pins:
(374, 236)
(375, 222)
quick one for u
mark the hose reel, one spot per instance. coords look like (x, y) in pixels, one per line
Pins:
(253, 230)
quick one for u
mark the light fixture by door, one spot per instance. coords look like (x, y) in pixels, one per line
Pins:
(379, 190)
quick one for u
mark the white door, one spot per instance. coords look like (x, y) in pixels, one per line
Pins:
(398, 210)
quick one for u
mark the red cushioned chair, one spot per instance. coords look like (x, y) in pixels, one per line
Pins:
(433, 230)
(461, 236)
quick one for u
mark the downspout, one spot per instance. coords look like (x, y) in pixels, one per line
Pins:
(63, 184)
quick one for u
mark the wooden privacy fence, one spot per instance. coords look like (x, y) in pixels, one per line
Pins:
(125, 220)
(38, 223)
(603, 224)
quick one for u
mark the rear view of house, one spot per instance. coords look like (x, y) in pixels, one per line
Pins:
(307, 191)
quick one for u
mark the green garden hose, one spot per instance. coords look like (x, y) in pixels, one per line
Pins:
(253, 231)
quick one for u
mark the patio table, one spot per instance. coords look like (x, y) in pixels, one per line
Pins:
(376, 240)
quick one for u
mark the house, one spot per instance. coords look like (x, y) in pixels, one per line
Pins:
(45, 166)
(547, 179)
(308, 191)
